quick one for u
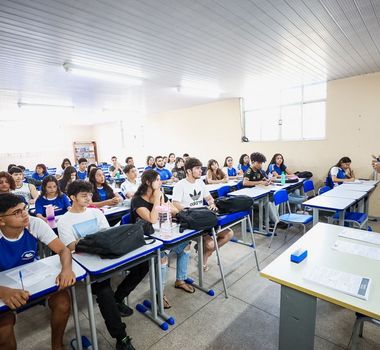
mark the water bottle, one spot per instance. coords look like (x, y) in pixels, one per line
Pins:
(117, 175)
(50, 216)
(165, 219)
(283, 178)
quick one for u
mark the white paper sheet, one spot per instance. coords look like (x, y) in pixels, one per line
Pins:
(357, 249)
(348, 283)
(361, 235)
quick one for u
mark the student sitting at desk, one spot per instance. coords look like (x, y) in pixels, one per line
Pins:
(69, 175)
(190, 193)
(129, 161)
(19, 236)
(28, 191)
(51, 195)
(82, 167)
(7, 183)
(171, 162)
(131, 183)
(340, 173)
(144, 205)
(165, 174)
(179, 169)
(214, 174)
(103, 193)
(90, 167)
(65, 163)
(149, 163)
(229, 168)
(40, 172)
(115, 167)
(277, 166)
(80, 221)
(243, 164)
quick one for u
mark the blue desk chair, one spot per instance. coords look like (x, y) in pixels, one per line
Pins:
(239, 185)
(308, 186)
(281, 197)
(324, 189)
(358, 220)
(222, 191)
(357, 331)
(126, 219)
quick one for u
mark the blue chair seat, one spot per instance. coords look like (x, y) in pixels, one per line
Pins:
(126, 219)
(228, 218)
(296, 218)
(357, 217)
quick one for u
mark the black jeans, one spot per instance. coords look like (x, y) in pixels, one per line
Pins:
(106, 298)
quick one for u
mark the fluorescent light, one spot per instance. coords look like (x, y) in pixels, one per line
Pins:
(198, 92)
(41, 105)
(101, 74)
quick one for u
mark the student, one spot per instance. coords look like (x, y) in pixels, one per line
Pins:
(80, 221)
(7, 183)
(65, 163)
(82, 167)
(69, 175)
(28, 191)
(243, 164)
(185, 156)
(51, 195)
(10, 166)
(342, 172)
(277, 166)
(90, 167)
(149, 163)
(129, 161)
(165, 174)
(184, 197)
(144, 205)
(103, 193)
(40, 172)
(171, 162)
(214, 174)
(19, 236)
(179, 172)
(115, 167)
(229, 168)
(131, 183)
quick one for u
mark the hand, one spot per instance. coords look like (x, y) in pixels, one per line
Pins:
(157, 195)
(65, 279)
(114, 200)
(14, 298)
(213, 207)
(225, 180)
(175, 179)
(352, 179)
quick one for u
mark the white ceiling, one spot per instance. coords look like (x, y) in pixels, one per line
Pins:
(231, 44)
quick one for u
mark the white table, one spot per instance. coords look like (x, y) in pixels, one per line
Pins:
(46, 286)
(100, 269)
(355, 187)
(215, 187)
(358, 196)
(298, 296)
(331, 204)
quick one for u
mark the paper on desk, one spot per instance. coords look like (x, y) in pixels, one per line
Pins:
(344, 282)
(357, 249)
(33, 273)
(361, 235)
(356, 181)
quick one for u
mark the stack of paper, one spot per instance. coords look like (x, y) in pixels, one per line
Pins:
(361, 235)
(357, 249)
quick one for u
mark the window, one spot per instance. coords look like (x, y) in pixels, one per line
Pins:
(296, 114)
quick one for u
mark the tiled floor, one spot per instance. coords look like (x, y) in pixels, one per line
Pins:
(248, 319)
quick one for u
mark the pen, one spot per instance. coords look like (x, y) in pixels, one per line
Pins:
(22, 283)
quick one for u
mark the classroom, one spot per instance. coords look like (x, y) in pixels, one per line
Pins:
(189, 174)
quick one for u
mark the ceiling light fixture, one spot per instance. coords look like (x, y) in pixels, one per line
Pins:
(42, 105)
(101, 74)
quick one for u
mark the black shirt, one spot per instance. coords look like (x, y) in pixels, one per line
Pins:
(254, 175)
(139, 202)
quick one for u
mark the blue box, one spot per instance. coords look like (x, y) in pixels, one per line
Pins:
(298, 255)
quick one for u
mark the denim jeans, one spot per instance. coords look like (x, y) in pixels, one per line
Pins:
(182, 262)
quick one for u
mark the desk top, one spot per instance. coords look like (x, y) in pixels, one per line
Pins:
(355, 187)
(357, 195)
(44, 285)
(174, 236)
(108, 211)
(319, 241)
(253, 192)
(329, 203)
(95, 265)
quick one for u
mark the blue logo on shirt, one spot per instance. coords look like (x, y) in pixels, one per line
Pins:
(29, 254)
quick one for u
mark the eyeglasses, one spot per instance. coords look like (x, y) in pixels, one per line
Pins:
(18, 212)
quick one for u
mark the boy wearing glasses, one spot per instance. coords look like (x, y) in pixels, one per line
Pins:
(79, 222)
(19, 236)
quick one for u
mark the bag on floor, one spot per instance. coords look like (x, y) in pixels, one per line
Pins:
(196, 219)
(233, 204)
(113, 242)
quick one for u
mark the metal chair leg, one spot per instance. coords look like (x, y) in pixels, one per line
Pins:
(219, 261)
(274, 230)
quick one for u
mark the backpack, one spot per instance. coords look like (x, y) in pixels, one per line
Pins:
(113, 242)
(304, 174)
(198, 219)
(233, 204)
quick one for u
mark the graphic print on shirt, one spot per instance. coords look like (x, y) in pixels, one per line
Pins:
(195, 196)
(85, 228)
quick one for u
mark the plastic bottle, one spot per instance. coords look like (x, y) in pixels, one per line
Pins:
(165, 218)
(50, 216)
(117, 176)
(283, 178)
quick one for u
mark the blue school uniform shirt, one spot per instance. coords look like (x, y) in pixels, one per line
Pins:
(37, 177)
(60, 205)
(243, 167)
(274, 167)
(82, 176)
(102, 194)
(148, 168)
(165, 174)
(23, 250)
(231, 171)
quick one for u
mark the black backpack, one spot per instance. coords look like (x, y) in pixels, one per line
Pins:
(114, 242)
(196, 219)
(304, 174)
(233, 204)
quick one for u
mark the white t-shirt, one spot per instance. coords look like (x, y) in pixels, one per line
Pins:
(334, 171)
(170, 166)
(39, 229)
(24, 191)
(72, 226)
(190, 195)
(128, 186)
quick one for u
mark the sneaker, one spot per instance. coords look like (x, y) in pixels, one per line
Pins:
(282, 225)
(124, 309)
(125, 344)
